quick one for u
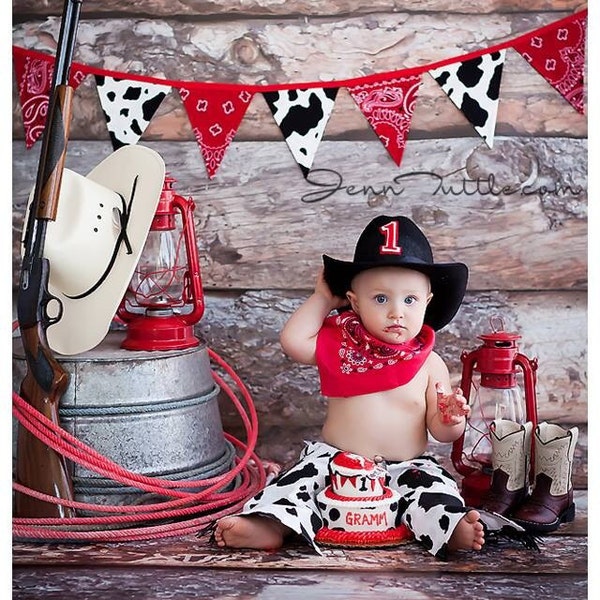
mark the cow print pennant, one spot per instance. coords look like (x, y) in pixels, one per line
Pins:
(474, 87)
(128, 107)
(302, 116)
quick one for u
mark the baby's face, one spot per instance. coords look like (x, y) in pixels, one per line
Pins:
(391, 302)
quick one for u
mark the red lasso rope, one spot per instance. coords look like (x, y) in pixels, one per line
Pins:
(185, 512)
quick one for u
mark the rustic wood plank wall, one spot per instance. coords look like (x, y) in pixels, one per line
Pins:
(262, 228)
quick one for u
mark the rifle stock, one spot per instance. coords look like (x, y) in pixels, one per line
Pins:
(38, 466)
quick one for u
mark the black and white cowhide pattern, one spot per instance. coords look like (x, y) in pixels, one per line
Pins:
(474, 87)
(128, 107)
(302, 115)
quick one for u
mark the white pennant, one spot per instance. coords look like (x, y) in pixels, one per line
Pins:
(474, 87)
(302, 115)
(128, 107)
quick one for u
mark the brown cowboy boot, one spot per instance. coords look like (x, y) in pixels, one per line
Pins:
(551, 502)
(511, 450)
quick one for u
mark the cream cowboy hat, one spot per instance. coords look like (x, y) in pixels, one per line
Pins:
(94, 244)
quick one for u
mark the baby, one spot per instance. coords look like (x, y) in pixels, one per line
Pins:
(369, 327)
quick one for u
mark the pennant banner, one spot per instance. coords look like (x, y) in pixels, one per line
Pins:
(474, 87)
(128, 107)
(387, 100)
(215, 115)
(302, 116)
(388, 107)
(34, 75)
(559, 55)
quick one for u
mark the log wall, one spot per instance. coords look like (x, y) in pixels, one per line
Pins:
(516, 214)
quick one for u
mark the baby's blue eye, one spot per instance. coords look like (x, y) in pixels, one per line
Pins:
(381, 298)
(409, 300)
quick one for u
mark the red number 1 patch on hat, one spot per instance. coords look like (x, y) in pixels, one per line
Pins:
(391, 232)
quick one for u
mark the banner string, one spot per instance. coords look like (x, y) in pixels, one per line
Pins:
(301, 110)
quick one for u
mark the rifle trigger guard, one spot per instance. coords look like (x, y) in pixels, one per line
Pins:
(55, 319)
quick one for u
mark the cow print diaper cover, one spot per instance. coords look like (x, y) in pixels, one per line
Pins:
(431, 504)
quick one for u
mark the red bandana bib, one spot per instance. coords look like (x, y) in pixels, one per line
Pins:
(352, 362)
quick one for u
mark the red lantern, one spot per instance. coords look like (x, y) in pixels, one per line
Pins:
(164, 299)
(496, 395)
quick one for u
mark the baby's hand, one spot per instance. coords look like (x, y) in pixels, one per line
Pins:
(322, 288)
(451, 407)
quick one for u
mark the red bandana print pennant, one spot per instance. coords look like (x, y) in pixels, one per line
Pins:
(34, 81)
(388, 107)
(215, 115)
(34, 73)
(559, 56)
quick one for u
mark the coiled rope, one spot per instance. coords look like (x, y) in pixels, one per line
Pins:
(184, 512)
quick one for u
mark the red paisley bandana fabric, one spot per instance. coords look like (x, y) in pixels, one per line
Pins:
(559, 55)
(34, 79)
(34, 72)
(389, 107)
(351, 362)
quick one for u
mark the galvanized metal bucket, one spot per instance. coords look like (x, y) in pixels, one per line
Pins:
(154, 413)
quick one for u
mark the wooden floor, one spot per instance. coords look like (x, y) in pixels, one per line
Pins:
(181, 568)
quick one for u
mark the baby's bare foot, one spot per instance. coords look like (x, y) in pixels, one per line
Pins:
(261, 533)
(468, 534)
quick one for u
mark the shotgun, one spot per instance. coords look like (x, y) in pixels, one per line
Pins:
(38, 466)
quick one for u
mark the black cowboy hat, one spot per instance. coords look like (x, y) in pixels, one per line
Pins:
(398, 242)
